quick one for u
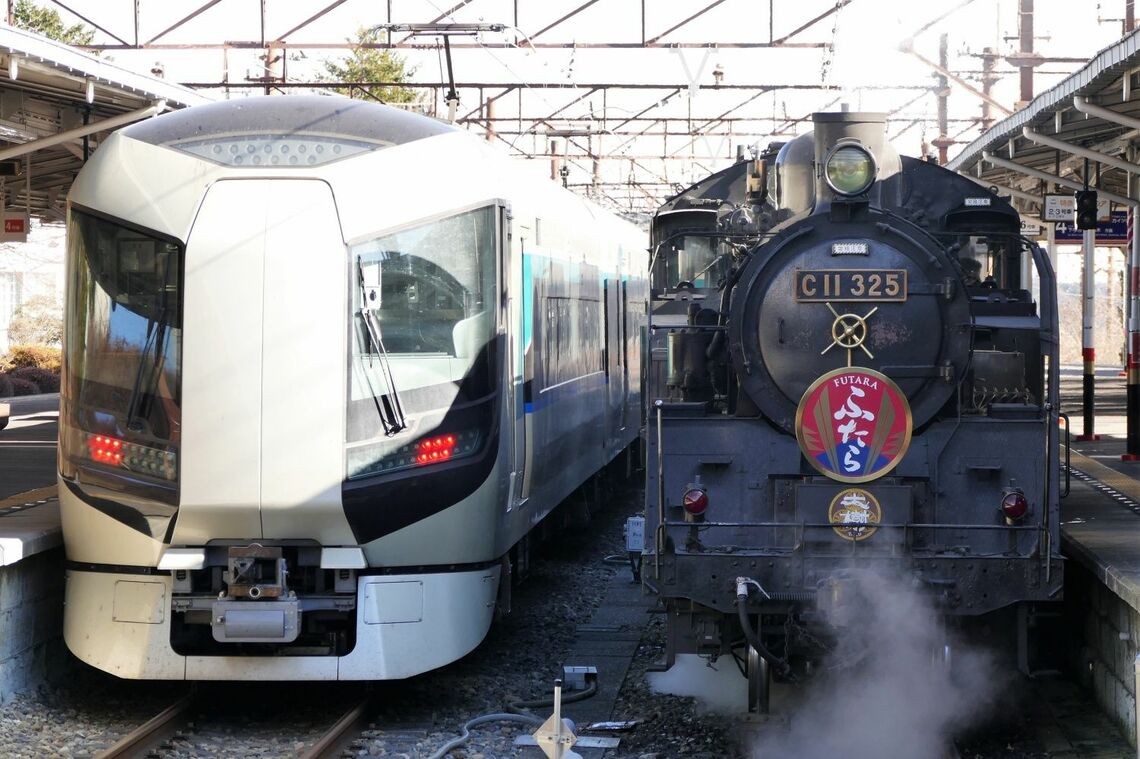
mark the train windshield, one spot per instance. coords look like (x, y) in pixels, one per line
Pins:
(991, 261)
(420, 341)
(122, 400)
(687, 261)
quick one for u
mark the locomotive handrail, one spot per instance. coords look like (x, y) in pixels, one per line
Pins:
(659, 533)
(1050, 338)
(697, 327)
(1068, 455)
(877, 525)
(800, 543)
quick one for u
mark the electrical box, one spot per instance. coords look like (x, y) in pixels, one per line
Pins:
(635, 534)
(577, 678)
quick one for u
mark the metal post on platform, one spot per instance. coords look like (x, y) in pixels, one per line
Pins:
(1051, 242)
(1136, 690)
(1132, 392)
(1088, 349)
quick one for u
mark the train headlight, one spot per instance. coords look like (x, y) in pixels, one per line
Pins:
(1014, 506)
(850, 169)
(274, 150)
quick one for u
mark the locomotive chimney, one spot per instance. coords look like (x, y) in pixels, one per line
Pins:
(867, 130)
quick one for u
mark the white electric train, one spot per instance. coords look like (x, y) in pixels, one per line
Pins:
(327, 365)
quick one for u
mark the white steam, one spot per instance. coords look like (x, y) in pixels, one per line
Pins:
(718, 688)
(898, 698)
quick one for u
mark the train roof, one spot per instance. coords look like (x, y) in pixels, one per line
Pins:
(226, 130)
(726, 185)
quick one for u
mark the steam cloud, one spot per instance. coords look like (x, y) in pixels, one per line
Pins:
(897, 699)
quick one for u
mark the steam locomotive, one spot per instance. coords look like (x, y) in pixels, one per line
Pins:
(853, 367)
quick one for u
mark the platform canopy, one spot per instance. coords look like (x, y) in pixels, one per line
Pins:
(1092, 115)
(56, 103)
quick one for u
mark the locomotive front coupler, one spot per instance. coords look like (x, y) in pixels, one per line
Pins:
(256, 571)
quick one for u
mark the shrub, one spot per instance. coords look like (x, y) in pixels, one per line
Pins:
(23, 387)
(47, 381)
(39, 356)
(5, 386)
(39, 319)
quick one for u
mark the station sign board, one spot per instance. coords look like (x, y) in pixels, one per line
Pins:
(15, 227)
(1059, 208)
(1112, 232)
(1031, 228)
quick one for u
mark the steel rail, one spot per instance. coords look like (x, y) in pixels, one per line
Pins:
(153, 732)
(343, 733)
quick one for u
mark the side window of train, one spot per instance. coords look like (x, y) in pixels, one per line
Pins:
(572, 339)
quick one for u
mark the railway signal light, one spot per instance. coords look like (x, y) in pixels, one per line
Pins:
(1086, 202)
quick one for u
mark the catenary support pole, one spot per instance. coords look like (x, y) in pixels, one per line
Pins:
(1088, 351)
(1132, 391)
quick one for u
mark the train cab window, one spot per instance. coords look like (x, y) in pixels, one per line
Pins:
(687, 261)
(429, 317)
(991, 262)
(121, 407)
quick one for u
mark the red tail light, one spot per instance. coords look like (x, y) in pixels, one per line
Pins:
(432, 450)
(104, 449)
(1014, 506)
(136, 457)
(695, 501)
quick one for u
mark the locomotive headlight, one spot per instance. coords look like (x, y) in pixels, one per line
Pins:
(850, 169)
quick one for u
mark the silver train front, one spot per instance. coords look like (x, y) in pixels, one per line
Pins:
(326, 364)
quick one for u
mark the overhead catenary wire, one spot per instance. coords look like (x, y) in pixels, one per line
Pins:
(538, 92)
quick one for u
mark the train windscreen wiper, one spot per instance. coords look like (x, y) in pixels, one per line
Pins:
(388, 405)
(136, 414)
(138, 407)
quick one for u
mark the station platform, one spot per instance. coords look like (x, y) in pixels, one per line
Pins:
(31, 547)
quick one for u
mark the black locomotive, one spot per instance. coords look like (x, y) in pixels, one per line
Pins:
(850, 370)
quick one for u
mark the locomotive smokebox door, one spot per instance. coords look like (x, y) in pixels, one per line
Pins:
(810, 307)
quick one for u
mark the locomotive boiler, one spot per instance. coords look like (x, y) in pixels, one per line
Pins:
(853, 368)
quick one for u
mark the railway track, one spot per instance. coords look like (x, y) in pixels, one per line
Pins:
(344, 733)
(174, 731)
(157, 732)
(200, 716)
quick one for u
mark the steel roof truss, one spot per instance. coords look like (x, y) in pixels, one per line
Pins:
(990, 158)
(99, 126)
(1077, 150)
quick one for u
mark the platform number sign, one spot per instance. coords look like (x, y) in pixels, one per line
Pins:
(15, 227)
(1059, 208)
